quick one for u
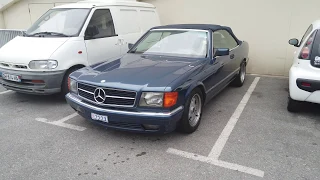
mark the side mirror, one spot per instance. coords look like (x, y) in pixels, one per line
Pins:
(91, 32)
(294, 42)
(130, 45)
(222, 52)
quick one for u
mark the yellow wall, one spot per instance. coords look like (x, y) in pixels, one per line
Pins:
(266, 24)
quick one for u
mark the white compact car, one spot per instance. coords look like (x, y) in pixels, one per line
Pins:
(69, 37)
(304, 76)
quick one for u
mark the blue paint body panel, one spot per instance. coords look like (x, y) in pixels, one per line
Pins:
(157, 73)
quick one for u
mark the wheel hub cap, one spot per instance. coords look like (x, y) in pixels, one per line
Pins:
(195, 110)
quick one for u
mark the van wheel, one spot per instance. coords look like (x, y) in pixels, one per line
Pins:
(241, 77)
(64, 86)
(192, 113)
(293, 105)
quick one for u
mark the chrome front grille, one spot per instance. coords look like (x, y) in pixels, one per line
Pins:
(114, 97)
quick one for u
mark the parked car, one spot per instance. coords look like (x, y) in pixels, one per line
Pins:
(163, 81)
(69, 37)
(304, 76)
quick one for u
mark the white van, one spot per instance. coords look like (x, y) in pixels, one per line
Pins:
(69, 37)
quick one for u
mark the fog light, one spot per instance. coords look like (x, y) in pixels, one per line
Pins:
(151, 127)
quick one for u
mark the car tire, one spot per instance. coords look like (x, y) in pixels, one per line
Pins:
(192, 114)
(64, 85)
(241, 77)
(293, 105)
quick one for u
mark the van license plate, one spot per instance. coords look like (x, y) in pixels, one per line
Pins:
(98, 117)
(11, 77)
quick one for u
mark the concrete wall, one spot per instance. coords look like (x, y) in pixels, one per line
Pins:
(1, 21)
(19, 14)
(266, 24)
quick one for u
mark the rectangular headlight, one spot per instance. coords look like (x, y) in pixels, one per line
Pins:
(43, 64)
(151, 99)
(72, 85)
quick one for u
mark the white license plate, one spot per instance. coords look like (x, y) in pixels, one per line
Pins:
(98, 117)
(11, 77)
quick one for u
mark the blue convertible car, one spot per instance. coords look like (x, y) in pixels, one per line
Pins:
(164, 80)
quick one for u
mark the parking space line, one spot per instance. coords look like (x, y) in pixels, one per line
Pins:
(67, 118)
(224, 136)
(61, 122)
(213, 157)
(4, 92)
(216, 162)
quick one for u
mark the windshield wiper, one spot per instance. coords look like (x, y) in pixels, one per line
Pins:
(49, 33)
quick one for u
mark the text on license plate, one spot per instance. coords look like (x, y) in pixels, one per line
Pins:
(98, 117)
(11, 77)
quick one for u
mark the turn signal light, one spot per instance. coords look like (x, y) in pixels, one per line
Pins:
(170, 99)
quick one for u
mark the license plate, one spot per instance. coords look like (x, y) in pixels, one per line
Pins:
(98, 117)
(11, 77)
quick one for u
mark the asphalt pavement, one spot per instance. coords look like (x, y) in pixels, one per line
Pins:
(41, 137)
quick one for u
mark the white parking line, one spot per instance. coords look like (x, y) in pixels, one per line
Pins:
(4, 92)
(216, 162)
(62, 123)
(213, 157)
(224, 136)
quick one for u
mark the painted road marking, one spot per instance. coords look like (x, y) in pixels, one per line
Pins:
(224, 136)
(216, 162)
(213, 157)
(4, 92)
(61, 122)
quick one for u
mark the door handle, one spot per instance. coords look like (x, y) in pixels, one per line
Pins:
(120, 42)
(232, 56)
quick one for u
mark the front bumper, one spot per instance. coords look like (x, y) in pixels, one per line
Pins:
(52, 82)
(133, 121)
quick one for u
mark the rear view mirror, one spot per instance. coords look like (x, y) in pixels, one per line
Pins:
(294, 42)
(222, 52)
(130, 45)
(91, 32)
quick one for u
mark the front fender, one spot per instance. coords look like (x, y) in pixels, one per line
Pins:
(195, 85)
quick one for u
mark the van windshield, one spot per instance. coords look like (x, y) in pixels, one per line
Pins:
(182, 43)
(59, 22)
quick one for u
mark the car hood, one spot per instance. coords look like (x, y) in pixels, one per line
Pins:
(137, 72)
(21, 50)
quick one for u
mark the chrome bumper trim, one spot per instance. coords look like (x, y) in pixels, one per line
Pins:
(155, 114)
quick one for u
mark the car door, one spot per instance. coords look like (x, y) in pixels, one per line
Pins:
(101, 40)
(214, 70)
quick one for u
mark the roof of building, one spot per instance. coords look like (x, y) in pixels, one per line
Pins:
(103, 3)
(213, 27)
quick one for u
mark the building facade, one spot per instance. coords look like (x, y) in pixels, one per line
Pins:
(266, 25)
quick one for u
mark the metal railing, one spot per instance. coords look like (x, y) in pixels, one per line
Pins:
(7, 35)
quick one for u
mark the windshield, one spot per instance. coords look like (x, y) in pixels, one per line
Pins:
(184, 43)
(60, 22)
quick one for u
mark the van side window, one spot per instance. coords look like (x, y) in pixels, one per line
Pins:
(102, 24)
(223, 39)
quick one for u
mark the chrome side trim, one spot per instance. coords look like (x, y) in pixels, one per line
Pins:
(232, 74)
(155, 114)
